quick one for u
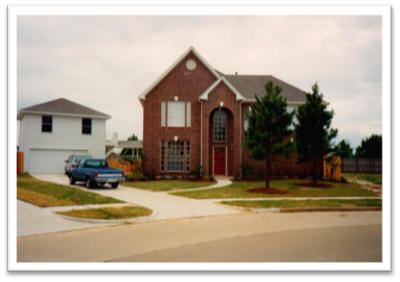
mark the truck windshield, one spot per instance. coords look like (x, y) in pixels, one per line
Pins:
(96, 163)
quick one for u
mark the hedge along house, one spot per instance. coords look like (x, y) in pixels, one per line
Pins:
(194, 116)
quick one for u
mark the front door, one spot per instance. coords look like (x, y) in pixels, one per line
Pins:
(219, 161)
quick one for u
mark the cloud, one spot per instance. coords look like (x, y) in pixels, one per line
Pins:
(105, 62)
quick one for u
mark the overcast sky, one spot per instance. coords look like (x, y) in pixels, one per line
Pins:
(105, 62)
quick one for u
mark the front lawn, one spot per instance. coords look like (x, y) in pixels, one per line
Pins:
(306, 203)
(109, 212)
(239, 190)
(375, 178)
(48, 194)
(167, 185)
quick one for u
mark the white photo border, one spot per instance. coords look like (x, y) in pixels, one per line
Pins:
(383, 11)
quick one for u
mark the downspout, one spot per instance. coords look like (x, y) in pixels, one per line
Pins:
(240, 132)
(201, 133)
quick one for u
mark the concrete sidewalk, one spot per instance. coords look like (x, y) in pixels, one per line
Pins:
(164, 205)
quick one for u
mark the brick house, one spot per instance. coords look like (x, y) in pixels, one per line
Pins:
(195, 115)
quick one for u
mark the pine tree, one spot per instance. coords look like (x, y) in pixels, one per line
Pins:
(269, 127)
(313, 133)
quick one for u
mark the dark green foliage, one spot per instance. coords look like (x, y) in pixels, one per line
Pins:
(370, 147)
(133, 137)
(246, 170)
(343, 149)
(268, 130)
(197, 171)
(313, 133)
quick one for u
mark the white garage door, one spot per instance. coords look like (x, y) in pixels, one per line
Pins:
(49, 161)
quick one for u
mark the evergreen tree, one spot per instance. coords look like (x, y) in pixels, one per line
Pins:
(313, 132)
(268, 129)
(370, 147)
(343, 149)
(133, 137)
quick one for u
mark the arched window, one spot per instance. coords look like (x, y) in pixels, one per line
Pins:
(220, 126)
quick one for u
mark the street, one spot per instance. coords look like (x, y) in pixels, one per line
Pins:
(249, 237)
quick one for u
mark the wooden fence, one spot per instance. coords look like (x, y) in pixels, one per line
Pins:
(361, 166)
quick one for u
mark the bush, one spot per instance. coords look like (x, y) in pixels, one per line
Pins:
(197, 171)
(134, 177)
(211, 178)
(151, 175)
(246, 170)
(343, 180)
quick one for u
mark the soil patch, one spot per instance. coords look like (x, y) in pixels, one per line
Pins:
(263, 190)
(314, 185)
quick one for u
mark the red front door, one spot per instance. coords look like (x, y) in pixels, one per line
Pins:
(219, 161)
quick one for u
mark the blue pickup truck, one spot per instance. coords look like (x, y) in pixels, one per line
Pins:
(96, 172)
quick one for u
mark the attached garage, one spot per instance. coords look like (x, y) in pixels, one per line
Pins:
(49, 161)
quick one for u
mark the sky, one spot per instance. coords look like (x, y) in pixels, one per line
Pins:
(106, 62)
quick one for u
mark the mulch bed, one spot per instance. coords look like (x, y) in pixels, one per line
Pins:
(263, 190)
(314, 185)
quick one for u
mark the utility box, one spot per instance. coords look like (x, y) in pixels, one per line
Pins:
(20, 162)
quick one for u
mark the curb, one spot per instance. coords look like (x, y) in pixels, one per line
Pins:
(289, 210)
(110, 221)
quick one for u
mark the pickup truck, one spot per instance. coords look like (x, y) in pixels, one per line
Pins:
(96, 172)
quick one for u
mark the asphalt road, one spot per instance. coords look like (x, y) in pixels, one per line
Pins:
(338, 244)
(317, 236)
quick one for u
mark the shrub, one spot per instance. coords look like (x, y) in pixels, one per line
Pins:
(197, 171)
(246, 170)
(211, 178)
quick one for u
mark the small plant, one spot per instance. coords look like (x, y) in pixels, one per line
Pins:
(197, 171)
(246, 170)
(163, 177)
(211, 178)
(343, 180)
(151, 175)
(173, 177)
(237, 178)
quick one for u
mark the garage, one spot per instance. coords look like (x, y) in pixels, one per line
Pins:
(49, 160)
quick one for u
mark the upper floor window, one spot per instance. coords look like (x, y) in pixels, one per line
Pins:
(86, 126)
(47, 123)
(220, 126)
(175, 114)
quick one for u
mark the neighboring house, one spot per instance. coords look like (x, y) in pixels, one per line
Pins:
(52, 131)
(195, 115)
(129, 149)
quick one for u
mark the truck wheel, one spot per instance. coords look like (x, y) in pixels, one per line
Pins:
(114, 185)
(89, 183)
(71, 180)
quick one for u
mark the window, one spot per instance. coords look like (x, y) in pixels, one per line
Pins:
(86, 126)
(163, 113)
(220, 126)
(47, 123)
(291, 109)
(245, 122)
(188, 106)
(162, 155)
(176, 114)
(175, 155)
(188, 156)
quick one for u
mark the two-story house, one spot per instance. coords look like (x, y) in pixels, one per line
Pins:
(51, 131)
(195, 115)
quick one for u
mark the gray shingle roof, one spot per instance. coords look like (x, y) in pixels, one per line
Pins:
(62, 106)
(248, 85)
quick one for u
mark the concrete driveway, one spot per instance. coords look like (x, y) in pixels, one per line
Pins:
(32, 220)
(164, 205)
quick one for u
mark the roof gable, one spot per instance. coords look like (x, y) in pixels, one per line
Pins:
(222, 79)
(63, 107)
(170, 68)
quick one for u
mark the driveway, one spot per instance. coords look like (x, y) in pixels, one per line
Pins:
(165, 206)
(32, 220)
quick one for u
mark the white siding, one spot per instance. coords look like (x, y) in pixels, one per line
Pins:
(65, 136)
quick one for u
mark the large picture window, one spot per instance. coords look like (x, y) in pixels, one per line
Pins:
(220, 126)
(176, 155)
(47, 123)
(176, 114)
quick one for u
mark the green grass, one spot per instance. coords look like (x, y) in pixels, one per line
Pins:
(238, 190)
(109, 213)
(306, 203)
(375, 178)
(48, 194)
(167, 185)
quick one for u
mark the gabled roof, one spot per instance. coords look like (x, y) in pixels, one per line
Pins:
(62, 107)
(249, 85)
(222, 79)
(177, 61)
